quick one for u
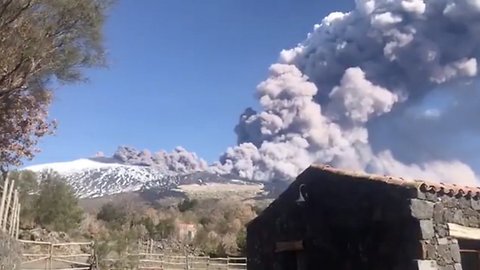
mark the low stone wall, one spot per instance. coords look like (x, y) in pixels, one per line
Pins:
(10, 254)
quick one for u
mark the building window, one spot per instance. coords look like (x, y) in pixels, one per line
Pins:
(470, 254)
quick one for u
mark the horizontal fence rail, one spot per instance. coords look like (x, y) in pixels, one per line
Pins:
(56, 256)
(80, 256)
(147, 258)
(154, 261)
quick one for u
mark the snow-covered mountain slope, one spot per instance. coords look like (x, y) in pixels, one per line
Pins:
(92, 178)
(99, 177)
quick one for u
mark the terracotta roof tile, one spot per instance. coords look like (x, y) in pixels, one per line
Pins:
(422, 185)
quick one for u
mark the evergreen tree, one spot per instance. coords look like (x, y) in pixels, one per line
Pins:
(56, 206)
(113, 215)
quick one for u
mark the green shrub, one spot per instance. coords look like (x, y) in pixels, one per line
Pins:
(164, 229)
(187, 204)
(56, 206)
(242, 242)
(26, 183)
(113, 215)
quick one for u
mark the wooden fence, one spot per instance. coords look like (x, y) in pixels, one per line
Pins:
(60, 256)
(9, 208)
(80, 256)
(153, 261)
(148, 257)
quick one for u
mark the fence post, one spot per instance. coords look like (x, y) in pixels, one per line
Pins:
(50, 259)
(13, 215)
(161, 258)
(7, 206)
(17, 229)
(93, 258)
(46, 260)
(4, 197)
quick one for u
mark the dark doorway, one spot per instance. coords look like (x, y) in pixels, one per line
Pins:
(288, 260)
(293, 260)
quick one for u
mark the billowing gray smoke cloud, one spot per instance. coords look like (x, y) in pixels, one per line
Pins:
(178, 161)
(365, 74)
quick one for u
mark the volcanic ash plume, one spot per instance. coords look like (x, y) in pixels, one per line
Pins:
(370, 90)
(179, 160)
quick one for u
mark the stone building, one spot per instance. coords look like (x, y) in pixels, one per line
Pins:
(335, 220)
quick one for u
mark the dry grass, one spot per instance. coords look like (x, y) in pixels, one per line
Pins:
(9, 253)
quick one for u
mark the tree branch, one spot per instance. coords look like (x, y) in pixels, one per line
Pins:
(5, 7)
(18, 13)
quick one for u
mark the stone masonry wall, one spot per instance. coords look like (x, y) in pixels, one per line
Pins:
(434, 211)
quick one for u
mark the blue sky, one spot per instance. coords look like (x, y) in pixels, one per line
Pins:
(180, 73)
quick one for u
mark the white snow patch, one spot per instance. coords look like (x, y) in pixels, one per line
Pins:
(238, 181)
(72, 166)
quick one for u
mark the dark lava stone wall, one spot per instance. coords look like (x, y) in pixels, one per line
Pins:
(434, 211)
(346, 223)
